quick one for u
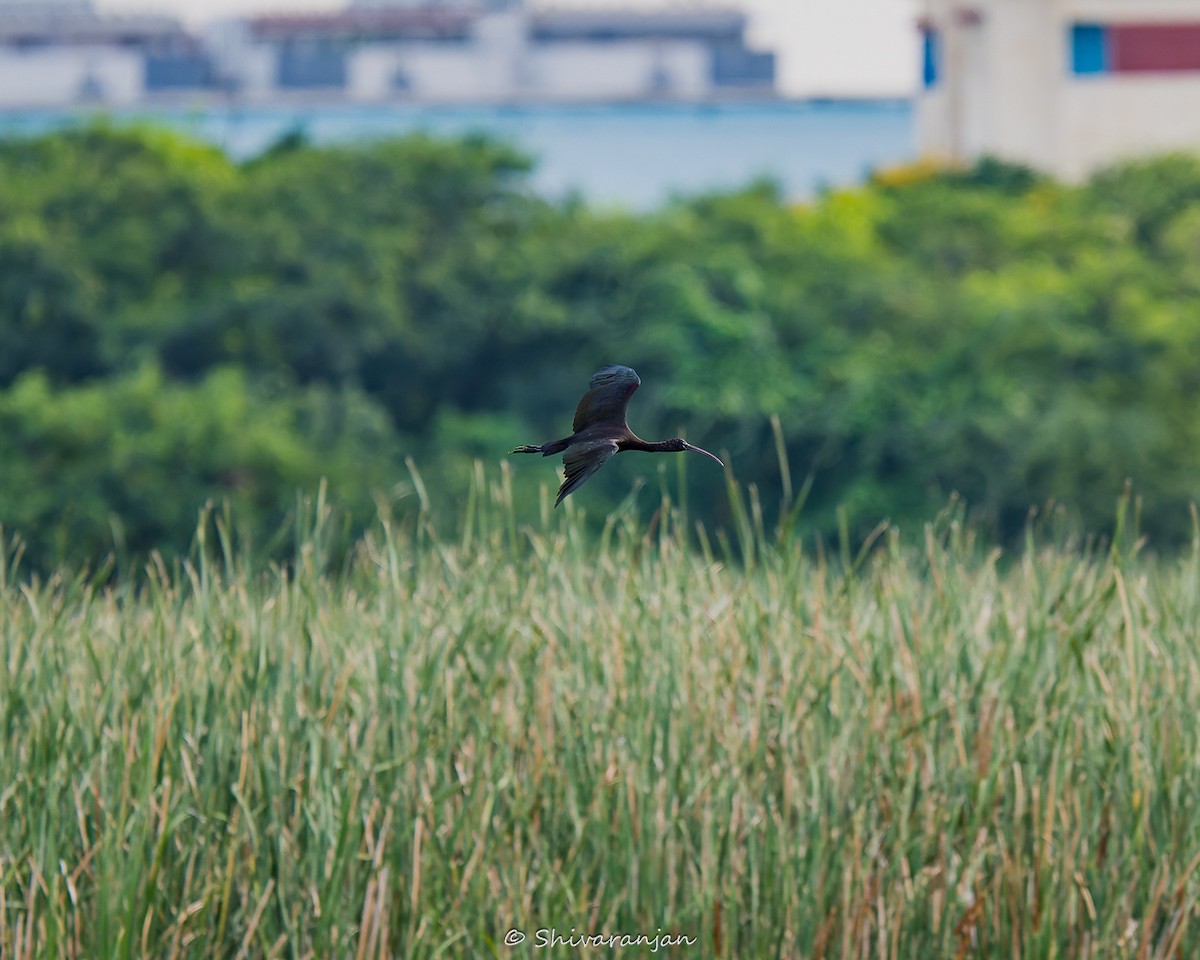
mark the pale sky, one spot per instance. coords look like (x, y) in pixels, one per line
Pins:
(847, 47)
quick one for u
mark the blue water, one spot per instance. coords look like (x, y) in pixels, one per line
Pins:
(632, 155)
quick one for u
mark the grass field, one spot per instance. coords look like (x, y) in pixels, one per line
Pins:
(923, 750)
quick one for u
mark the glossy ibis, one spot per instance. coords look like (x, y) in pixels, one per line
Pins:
(600, 430)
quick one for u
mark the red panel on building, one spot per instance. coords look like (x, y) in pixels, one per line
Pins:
(1154, 47)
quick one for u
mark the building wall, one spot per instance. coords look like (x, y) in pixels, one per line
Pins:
(432, 73)
(1025, 56)
(255, 71)
(250, 68)
(560, 71)
(1007, 83)
(621, 71)
(1108, 119)
(1118, 11)
(66, 75)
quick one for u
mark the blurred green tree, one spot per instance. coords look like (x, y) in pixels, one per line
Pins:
(175, 327)
(127, 463)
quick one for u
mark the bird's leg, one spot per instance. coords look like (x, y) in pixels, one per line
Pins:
(545, 449)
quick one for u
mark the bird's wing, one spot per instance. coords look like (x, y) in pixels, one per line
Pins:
(581, 461)
(607, 397)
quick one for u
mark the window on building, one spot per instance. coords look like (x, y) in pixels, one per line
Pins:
(732, 65)
(1135, 48)
(311, 64)
(1089, 48)
(179, 71)
(931, 46)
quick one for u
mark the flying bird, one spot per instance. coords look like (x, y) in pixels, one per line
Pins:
(600, 430)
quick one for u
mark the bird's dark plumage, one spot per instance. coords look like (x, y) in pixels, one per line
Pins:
(607, 397)
(600, 430)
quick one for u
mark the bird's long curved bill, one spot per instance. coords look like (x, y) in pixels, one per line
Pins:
(688, 446)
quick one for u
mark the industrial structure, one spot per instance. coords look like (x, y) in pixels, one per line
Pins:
(62, 52)
(1063, 85)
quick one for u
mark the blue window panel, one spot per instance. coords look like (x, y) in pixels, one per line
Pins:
(1089, 49)
(305, 68)
(189, 71)
(932, 54)
(733, 65)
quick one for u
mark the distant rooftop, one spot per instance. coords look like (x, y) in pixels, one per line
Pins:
(619, 23)
(40, 6)
(452, 20)
(25, 24)
(428, 4)
(373, 22)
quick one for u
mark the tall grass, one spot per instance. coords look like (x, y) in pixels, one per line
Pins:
(923, 749)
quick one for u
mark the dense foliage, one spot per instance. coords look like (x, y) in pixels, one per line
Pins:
(176, 328)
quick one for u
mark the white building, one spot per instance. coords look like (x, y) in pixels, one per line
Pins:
(493, 51)
(1063, 85)
(59, 52)
(56, 53)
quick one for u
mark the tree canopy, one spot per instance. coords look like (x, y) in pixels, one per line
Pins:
(177, 329)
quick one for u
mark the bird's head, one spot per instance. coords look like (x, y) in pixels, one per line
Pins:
(678, 445)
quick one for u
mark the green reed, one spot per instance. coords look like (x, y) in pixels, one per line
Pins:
(917, 747)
